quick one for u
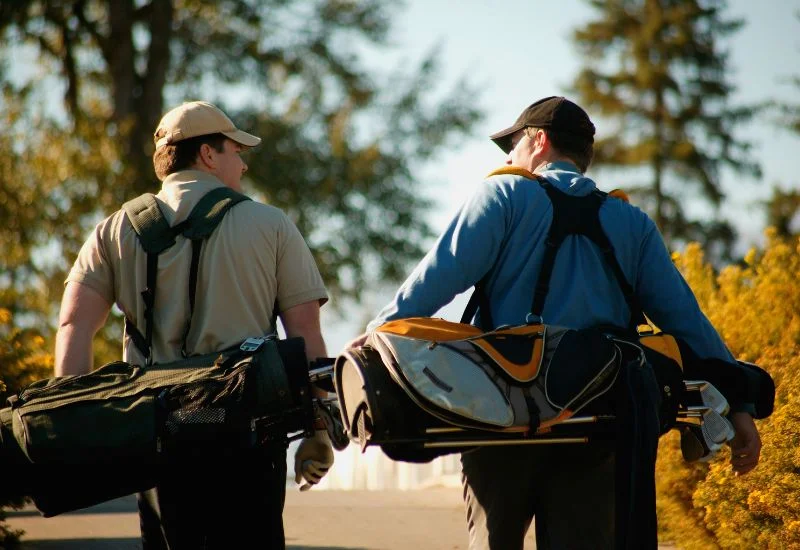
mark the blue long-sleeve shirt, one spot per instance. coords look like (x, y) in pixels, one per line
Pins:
(501, 231)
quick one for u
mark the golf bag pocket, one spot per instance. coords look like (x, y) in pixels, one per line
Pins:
(420, 376)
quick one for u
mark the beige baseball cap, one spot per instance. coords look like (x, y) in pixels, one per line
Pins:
(198, 118)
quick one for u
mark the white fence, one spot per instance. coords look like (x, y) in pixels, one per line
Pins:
(372, 470)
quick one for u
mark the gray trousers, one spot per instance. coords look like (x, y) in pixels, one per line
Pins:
(568, 488)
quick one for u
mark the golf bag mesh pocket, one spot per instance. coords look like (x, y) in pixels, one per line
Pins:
(177, 419)
(208, 417)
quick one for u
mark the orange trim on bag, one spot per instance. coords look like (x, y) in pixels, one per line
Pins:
(520, 363)
(620, 194)
(664, 344)
(513, 170)
(545, 426)
(428, 328)
(522, 368)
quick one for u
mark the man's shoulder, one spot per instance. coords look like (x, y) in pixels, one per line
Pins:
(507, 184)
(619, 212)
(259, 213)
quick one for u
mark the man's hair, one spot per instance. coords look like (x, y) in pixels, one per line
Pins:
(573, 147)
(181, 155)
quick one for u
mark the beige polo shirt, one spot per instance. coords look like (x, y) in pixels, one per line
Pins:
(255, 257)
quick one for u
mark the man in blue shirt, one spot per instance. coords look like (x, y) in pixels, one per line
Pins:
(499, 236)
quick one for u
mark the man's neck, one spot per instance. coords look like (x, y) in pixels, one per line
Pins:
(545, 163)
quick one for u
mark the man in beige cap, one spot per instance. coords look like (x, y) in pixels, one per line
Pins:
(254, 266)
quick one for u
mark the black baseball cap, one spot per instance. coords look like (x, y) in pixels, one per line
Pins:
(554, 113)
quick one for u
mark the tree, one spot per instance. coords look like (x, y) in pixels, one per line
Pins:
(341, 141)
(656, 68)
(340, 144)
(783, 211)
(783, 207)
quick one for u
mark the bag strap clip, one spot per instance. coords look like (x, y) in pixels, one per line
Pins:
(253, 344)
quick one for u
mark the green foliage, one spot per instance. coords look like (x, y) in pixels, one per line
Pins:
(23, 355)
(783, 207)
(657, 69)
(341, 139)
(756, 308)
(783, 211)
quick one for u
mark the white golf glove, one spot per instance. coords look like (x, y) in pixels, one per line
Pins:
(313, 459)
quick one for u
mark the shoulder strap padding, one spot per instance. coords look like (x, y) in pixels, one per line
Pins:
(580, 215)
(512, 170)
(156, 235)
(149, 222)
(210, 210)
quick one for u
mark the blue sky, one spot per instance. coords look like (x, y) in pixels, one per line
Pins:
(519, 51)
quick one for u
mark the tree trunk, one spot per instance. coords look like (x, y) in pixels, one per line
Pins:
(119, 55)
(658, 165)
(138, 98)
(150, 104)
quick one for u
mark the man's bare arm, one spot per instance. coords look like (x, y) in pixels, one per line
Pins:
(303, 320)
(83, 313)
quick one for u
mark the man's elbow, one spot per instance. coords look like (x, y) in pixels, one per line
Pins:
(301, 319)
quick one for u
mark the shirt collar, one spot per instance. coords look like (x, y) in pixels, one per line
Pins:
(180, 192)
(192, 176)
(566, 177)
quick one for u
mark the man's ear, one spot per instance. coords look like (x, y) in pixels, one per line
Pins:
(542, 142)
(206, 156)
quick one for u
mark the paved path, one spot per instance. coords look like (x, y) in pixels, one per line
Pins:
(425, 519)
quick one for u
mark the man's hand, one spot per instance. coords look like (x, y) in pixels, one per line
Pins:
(313, 459)
(746, 445)
(357, 342)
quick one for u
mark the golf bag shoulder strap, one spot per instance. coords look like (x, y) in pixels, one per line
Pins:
(153, 230)
(151, 227)
(156, 235)
(572, 215)
(580, 215)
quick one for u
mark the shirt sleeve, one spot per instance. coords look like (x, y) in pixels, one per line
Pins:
(298, 277)
(667, 299)
(93, 266)
(462, 255)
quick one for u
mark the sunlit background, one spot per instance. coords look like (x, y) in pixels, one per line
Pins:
(504, 54)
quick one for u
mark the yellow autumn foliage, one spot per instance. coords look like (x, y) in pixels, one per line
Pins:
(756, 308)
(25, 356)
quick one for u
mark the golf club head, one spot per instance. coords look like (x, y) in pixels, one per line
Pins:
(693, 444)
(716, 428)
(706, 394)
